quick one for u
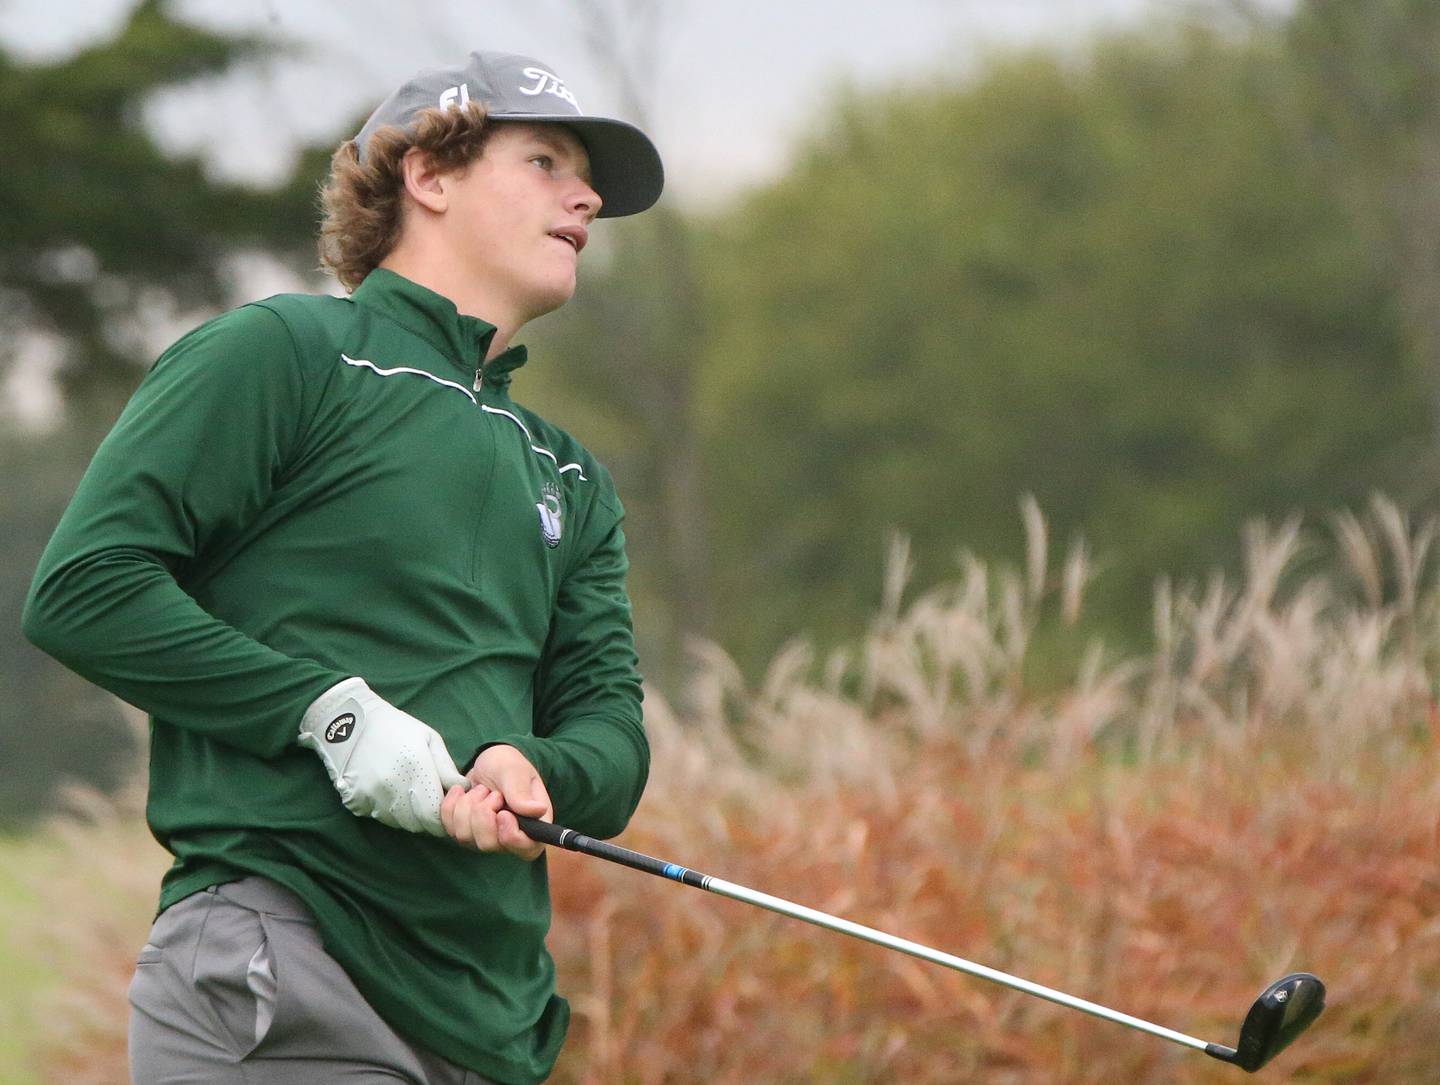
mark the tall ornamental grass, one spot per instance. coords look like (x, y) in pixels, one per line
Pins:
(1162, 834)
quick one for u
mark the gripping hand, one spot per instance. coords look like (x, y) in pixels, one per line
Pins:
(385, 763)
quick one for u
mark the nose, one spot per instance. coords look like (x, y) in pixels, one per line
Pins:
(583, 200)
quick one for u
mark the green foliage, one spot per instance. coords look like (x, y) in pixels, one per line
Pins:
(1370, 89)
(1182, 281)
(95, 223)
(1172, 283)
(1124, 286)
(54, 726)
(617, 366)
(93, 214)
(1370, 74)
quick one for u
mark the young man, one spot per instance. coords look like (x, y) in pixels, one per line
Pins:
(322, 540)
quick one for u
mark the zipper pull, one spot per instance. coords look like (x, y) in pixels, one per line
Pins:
(479, 378)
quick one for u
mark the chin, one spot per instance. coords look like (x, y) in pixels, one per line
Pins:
(550, 299)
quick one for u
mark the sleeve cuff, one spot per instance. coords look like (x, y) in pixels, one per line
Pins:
(528, 745)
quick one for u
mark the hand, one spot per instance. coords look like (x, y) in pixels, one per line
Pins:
(385, 763)
(502, 784)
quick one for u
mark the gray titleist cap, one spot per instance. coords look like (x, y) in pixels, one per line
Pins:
(624, 163)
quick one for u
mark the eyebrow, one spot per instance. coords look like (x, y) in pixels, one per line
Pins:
(546, 135)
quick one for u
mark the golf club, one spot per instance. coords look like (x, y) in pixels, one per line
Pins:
(1283, 1011)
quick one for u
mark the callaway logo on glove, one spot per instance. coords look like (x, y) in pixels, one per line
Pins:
(385, 763)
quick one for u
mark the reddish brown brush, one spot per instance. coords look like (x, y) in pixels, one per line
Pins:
(1164, 893)
(1163, 836)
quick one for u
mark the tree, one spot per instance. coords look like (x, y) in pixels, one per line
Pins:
(98, 231)
(617, 365)
(96, 222)
(622, 362)
(1118, 283)
(1371, 91)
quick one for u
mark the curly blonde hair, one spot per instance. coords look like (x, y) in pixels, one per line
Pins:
(362, 202)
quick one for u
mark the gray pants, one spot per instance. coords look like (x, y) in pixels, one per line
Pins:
(205, 1005)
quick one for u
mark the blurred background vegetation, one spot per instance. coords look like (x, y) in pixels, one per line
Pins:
(1182, 278)
(1178, 280)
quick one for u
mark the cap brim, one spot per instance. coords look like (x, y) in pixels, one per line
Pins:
(625, 167)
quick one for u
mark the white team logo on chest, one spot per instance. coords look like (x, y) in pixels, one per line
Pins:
(550, 514)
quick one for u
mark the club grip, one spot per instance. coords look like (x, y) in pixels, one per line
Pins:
(561, 837)
(542, 831)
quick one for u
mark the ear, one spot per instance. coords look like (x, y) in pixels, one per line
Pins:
(423, 181)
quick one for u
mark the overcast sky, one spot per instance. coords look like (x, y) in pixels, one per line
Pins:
(729, 85)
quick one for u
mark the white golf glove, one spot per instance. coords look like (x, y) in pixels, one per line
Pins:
(385, 763)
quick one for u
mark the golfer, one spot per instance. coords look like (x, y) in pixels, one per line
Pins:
(374, 608)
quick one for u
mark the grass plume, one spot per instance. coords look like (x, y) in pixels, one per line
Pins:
(1163, 834)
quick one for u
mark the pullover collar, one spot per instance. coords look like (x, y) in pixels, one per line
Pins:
(462, 340)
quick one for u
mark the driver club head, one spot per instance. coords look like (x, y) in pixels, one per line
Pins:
(1283, 1011)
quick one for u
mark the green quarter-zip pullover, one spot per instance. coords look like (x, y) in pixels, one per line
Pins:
(310, 488)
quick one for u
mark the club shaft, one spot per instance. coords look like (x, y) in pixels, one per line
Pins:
(935, 956)
(573, 841)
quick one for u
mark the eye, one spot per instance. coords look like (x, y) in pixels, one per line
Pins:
(544, 161)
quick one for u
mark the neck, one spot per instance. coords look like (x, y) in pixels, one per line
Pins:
(444, 277)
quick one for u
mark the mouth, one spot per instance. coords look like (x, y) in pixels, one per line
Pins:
(574, 236)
